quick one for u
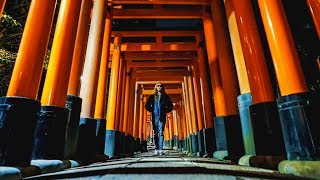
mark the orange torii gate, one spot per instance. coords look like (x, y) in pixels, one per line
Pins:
(237, 72)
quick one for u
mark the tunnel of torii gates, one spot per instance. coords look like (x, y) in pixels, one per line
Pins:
(96, 84)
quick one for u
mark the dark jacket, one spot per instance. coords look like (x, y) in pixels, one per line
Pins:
(165, 106)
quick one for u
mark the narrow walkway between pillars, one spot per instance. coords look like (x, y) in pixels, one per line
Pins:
(171, 165)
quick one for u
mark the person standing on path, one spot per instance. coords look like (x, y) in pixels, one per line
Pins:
(159, 104)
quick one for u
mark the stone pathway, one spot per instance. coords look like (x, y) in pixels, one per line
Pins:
(172, 165)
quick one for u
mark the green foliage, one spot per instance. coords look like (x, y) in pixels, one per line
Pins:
(11, 29)
(12, 24)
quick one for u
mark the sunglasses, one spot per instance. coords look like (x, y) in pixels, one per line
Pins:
(159, 85)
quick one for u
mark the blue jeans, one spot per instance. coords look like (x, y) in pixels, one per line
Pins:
(158, 127)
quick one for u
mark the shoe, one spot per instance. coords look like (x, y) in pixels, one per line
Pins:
(161, 152)
(156, 152)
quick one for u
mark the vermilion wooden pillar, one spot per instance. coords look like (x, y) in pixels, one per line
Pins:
(199, 108)
(293, 105)
(112, 97)
(54, 116)
(216, 83)
(88, 91)
(136, 113)
(264, 115)
(244, 99)
(229, 80)
(194, 120)
(175, 129)
(126, 120)
(144, 124)
(130, 119)
(208, 132)
(101, 97)
(2, 4)
(17, 139)
(314, 6)
(187, 111)
(73, 100)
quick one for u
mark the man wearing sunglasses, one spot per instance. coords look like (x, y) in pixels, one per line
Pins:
(159, 104)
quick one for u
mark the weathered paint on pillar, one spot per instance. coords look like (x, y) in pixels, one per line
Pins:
(126, 101)
(284, 54)
(237, 48)
(2, 4)
(113, 91)
(101, 99)
(197, 96)
(29, 63)
(225, 56)
(205, 91)
(56, 83)
(314, 6)
(260, 84)
(80, 48)
(218, 94)
(119, 95)
(90, 75)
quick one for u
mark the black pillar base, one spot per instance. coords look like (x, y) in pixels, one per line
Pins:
(314, 122)
(244, 101)
(184, 144)
(166, 143)
(170, 143)
(268, 138)
(50, 133)
(234, 138)
(180, 145)
(175, 142)
(220, 133)
(110, 144)
(73, 103)
(18, 117)
(144, 145)
(137, 145)
(122, 144)
(201, 143)
(209, 141)
(86, 148)
(189, 144)
(295, 112)
(117, 144)
(194, 141)
(100, 135)
(130, 145)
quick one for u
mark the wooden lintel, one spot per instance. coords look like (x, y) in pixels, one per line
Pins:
(155, 33)
(160, 64)
(157, 13)
(162, 79)
(182, 2)
(156, 47)
(159, 55)
(161, 74)
(154, 81)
